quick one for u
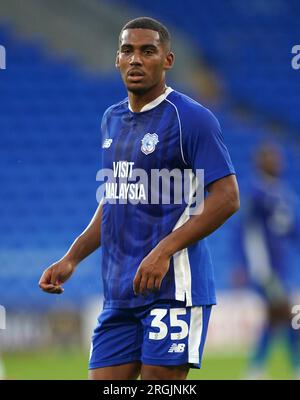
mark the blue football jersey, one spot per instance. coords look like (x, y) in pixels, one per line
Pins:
(173, 132)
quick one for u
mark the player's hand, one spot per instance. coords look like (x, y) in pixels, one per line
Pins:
(53, 277)
(279, 312)
(151, 272)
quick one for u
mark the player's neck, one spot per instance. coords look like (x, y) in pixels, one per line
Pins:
(270, 178)
(138, 101)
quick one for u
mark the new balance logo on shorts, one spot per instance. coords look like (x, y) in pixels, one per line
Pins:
(177, 348)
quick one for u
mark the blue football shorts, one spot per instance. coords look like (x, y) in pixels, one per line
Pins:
(162, 333)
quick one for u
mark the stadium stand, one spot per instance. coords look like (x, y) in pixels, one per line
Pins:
(50, 145)
(255, 61)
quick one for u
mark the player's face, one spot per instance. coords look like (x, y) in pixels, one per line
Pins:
(271, 162)
(142, 59)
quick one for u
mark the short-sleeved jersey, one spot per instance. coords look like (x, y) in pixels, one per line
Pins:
(172, 132)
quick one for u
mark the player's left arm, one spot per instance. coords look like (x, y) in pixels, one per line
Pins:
(222, 202)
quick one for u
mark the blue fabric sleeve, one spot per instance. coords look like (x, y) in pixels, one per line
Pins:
(203, 145)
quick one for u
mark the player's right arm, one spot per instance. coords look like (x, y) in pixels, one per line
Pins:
(85, 244)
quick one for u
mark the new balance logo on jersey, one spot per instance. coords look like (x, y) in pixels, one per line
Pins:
(177, 348)
(107, 143)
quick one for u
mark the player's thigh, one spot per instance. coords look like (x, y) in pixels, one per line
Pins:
(130, 371)
(174, 338)
(158, 372)
(116, 343)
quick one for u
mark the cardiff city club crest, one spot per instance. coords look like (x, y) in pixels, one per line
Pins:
(149, 142)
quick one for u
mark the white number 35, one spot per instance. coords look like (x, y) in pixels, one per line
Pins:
(160, 313)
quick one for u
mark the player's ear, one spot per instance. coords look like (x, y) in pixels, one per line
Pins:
(169, 60)
(117, 62)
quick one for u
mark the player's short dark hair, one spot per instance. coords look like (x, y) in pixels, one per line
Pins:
(153, 25)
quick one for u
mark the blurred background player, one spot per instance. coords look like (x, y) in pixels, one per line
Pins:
(267, 227)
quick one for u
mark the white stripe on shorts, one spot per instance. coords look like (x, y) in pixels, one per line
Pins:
(195, 334)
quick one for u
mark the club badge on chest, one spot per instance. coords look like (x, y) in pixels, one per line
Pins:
(149, 143)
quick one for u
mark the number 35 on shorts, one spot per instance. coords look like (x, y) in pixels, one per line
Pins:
(173, 322)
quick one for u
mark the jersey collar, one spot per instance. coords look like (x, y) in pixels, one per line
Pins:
(154, 103)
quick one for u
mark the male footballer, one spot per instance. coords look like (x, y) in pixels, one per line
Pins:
(156, 268)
